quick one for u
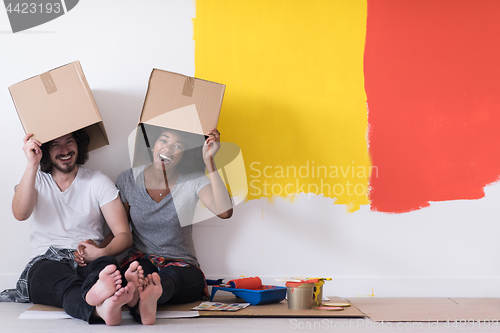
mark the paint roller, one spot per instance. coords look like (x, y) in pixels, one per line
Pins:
(246, 283)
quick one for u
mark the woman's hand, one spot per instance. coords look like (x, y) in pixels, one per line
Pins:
(211, 147)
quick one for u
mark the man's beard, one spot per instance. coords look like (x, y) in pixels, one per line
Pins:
(65, 168)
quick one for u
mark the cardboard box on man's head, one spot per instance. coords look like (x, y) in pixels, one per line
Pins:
(178, 102)
(57, 103)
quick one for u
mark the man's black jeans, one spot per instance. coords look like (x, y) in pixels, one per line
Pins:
(56, 283)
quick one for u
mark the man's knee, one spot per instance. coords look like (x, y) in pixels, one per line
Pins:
(46, 267)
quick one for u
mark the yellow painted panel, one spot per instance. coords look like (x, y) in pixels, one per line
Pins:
(295, 101)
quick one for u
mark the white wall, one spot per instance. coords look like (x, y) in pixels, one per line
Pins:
(447, 249)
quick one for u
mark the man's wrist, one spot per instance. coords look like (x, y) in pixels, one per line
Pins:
(32, 167)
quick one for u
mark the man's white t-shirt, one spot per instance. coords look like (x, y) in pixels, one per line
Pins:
(63, 219)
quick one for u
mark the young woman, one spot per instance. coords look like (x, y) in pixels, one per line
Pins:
(160, 199)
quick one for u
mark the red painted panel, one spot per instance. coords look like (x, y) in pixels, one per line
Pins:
(432, 79)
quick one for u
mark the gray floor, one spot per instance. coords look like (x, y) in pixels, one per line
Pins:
(9, 322)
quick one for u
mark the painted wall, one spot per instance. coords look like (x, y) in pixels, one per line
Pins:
(380, 203)
(431, 74)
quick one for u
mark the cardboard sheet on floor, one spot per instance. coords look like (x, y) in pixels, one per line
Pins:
(428, 309)
(273, 310)
(39, 311)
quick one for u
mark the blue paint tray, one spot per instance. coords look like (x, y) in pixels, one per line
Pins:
(262, 295)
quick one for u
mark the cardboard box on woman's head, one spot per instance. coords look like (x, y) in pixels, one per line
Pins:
(59, 102)
(178, 102)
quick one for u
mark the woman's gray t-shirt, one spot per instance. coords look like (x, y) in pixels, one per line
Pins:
(155, 225)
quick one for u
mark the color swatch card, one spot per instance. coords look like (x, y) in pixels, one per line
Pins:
(215, 306)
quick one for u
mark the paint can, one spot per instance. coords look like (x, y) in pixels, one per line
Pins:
(299, 295)
(318, 288)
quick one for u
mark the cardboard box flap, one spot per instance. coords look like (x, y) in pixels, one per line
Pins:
(181, 95)
(58, 102)
(98, 136)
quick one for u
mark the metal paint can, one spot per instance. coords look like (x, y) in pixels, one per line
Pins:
(299, 295)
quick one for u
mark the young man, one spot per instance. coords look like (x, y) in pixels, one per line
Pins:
(70, 204)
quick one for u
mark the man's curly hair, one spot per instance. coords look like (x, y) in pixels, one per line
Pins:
(82, 140)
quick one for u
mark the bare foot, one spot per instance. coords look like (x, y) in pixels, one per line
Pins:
(110, 280)
(135, 274)
(151, 291)
(111, 309)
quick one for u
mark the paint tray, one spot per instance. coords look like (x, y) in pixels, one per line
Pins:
(263, 295)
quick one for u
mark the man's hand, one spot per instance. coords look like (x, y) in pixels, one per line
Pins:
(86, 252)
(32, 150)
